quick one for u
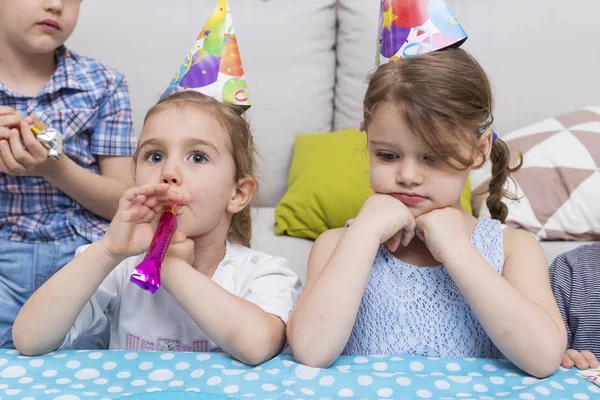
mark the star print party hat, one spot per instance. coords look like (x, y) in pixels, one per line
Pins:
(213, 66)
(408, 28)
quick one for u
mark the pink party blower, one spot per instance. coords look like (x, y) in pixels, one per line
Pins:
(147, 274)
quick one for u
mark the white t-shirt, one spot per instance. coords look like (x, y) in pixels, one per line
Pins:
(141, 320)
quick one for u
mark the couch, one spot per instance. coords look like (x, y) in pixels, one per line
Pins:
(306, 63)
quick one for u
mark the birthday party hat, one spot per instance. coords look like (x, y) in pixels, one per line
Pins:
(408, 28)
(213, 66)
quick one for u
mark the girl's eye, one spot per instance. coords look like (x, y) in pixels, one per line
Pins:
(198, 158)
(431, 159)
(154, 157)
(386, 156)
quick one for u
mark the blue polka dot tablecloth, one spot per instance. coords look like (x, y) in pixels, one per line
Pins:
(71, 375)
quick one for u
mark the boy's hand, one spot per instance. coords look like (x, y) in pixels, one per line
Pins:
(131, 230)
(580, 360)
(21, 154)
(9, 117)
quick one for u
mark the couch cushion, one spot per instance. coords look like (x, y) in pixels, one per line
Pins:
(536, 69)
(264, 239)
(288, 56)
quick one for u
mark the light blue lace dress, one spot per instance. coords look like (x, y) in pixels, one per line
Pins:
(420, 311)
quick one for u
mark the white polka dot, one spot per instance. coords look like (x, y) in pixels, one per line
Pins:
(182, 366)
(416, 366)
(344, 369)
(490, 367)
(138, 382)
(511, 374)
(50, 373)
(385, 392)
(213, 381)
(437, 374)
(25, 380)
(480, 388)
(518, 387)
(581, 396)
(288, 383)
(88, 373)
(12, 392)
(193, 390)
(36, 363)
(542, 390)
(527, 396)
(176, 383)
(402, 381)
(100, 381)
(109, 366)
(59, 355)
(15, 371)
(131, 356)
(380, 366)
(12, 352)
(152, 390)
(3, 361)
(571, 381)
(530, 380)
(346, 393)
(77, 386)
(28, 398)
(557, 385)
(67, 397)
(63, 381)
(497, 380)
(197, 373)
(594, 389)
(203, 357)
(231, 389)
(234, 372)
(73, 364)
(290, 393)
(39, 387)
(327, 380)
(306, 373)
(3, 386)
(90, 394)
(95, 355)
(442, 385)
(361, 360)
(161, 375)
(251, 376)
(115, 389)
(485, 398)
(167, 356)
(124, 374)
(146, 366)
(463, 395)
(287, 363)
(453, 367)
(217, 366)
(460, 379)
(269, 387)
(307, 391)
(424, 394)
(364, 380)
(474, 374)
(273, 371)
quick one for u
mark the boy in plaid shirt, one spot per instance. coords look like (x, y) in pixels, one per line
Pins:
(50, 207)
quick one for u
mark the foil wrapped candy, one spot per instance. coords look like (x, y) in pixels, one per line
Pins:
(51, 139)
(147, 274)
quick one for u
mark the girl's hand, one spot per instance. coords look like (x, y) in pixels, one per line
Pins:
(443, 231)
(131, 230)
(389, 218)
(583, 360)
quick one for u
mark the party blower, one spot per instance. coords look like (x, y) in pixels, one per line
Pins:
(147, 274)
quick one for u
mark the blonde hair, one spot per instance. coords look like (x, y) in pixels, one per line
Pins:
(242, 147)
(442, 95)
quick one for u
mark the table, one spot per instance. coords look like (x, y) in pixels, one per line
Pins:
(71, 375)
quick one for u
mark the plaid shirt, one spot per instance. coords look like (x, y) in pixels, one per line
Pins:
(89, 103)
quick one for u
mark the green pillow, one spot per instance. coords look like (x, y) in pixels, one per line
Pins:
(328, 183)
